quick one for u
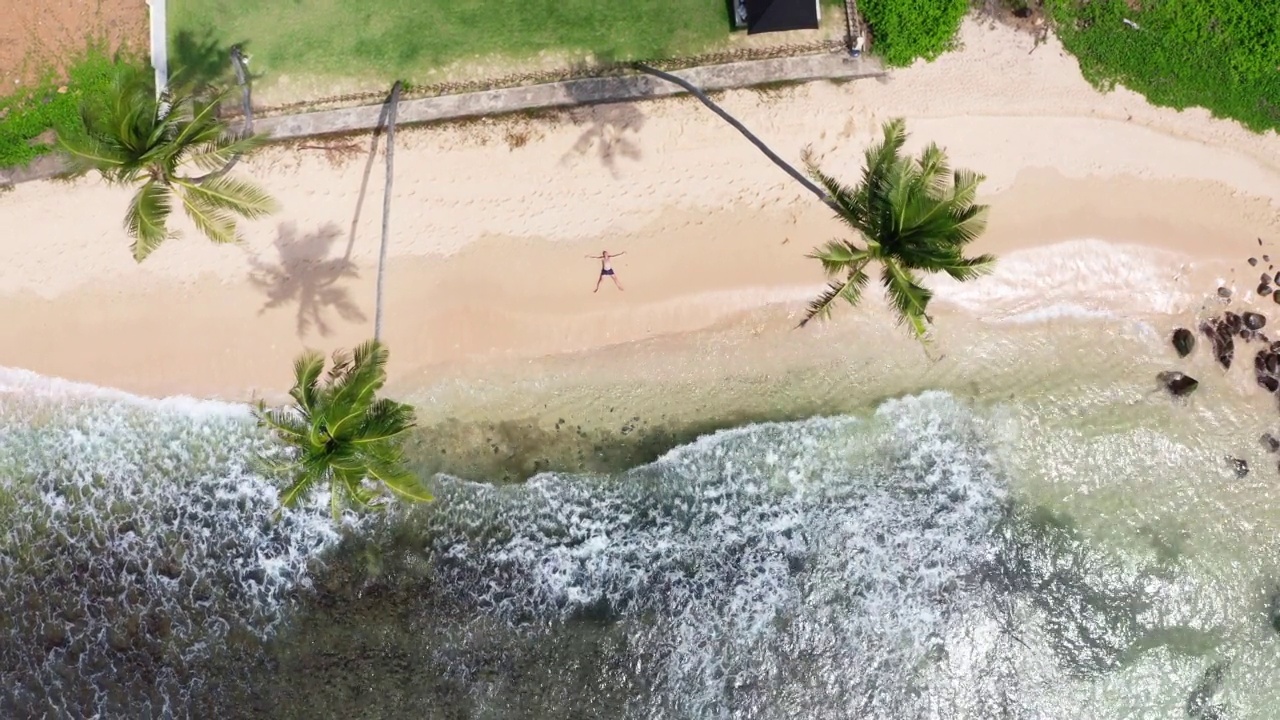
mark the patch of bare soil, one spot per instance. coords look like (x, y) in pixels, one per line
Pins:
(1028, 16)
(39, 35)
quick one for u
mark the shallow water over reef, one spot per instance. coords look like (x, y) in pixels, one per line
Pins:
(913, 562)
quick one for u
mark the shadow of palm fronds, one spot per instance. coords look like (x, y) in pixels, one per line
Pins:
(306, 275)
(609, 128)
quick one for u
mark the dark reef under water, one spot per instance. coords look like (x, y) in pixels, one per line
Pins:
(645, 571)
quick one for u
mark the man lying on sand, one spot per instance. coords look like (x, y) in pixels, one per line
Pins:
(606, 268)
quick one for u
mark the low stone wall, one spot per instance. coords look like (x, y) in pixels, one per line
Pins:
(569, 93)
(587, 91)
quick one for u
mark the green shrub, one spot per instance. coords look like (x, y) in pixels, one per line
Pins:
(29, 113)
(1223, 55)
(904, 30)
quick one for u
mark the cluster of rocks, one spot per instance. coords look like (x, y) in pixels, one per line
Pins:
(1224, 333)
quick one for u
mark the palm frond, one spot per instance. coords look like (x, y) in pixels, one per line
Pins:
(882, 156)
(214, 223)
(837, 255)
(934, 170)
(201, 127)
(384, 420)
(86, 152)
(358, 494)
(340, 366)
(850, 290)
(285, 425)
(354, 390)
(298, 488)
(306, 375)
(966, 269)
(216, 154)
(147, 219)
(843, 198)
(907, 296)
(400, 481)
(964, 189)
(236, 196)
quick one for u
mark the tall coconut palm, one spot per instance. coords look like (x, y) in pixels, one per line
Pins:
(340, 434)
(912, 214)
(135, 138)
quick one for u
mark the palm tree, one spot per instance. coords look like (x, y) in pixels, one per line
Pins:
(136, 138)
(911, 213)
(339, 434)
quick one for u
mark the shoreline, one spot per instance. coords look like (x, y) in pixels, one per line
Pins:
(492, 220)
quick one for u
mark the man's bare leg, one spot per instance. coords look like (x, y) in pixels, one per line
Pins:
(615, 281)
(598, 281)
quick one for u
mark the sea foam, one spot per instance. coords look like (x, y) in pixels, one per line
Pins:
(137, 546)
(1083, 279)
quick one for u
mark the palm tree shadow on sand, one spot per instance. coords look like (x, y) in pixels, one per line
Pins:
(609, 127)
(306, 275)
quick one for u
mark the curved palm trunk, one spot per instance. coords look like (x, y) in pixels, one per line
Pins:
(246, 105)
(386, 208)
(702, 97)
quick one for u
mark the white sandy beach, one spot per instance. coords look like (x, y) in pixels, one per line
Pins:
(492, 219)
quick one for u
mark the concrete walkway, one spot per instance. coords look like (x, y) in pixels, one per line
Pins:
(629, 88)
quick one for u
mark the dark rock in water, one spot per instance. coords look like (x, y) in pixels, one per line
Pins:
(1177, 383)
(1200, 704)
(1264, 290)
(1269, 442)
(1233, 321)
(1224, 292)
(1238, 466)
(1268, 383)
(1267, 365)
(1183, 341)
(1275, 347)
(1224, 347)
(1265, 279)
(1246, 334)
(1273, 612)
(1253, 261)
(1254, 321)
(1276, 298)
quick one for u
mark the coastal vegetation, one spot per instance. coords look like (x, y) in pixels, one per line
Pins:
(911, 214)
(1222, 55)
(132, 137)
(338, 433)
(906, 30)
(53, 104)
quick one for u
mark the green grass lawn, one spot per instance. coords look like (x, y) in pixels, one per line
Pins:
(404, 39)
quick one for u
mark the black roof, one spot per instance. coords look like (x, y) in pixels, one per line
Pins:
(779, 15)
